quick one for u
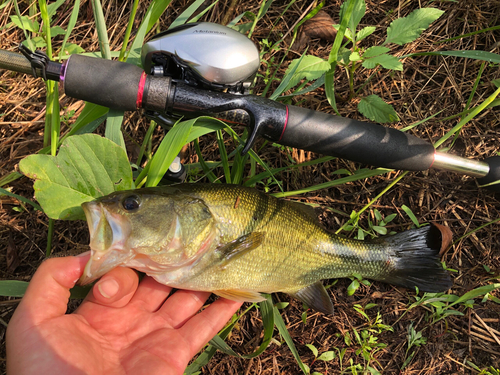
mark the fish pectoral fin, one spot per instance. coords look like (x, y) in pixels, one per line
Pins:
(240, 246)
(240, 295)
(316, 297)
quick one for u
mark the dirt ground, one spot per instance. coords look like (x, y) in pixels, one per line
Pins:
(428, 85)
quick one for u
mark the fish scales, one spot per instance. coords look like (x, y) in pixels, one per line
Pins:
(295, 245)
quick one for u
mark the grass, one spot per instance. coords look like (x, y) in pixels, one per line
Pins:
(375, 330)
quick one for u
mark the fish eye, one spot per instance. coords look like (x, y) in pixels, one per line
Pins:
(131, 203)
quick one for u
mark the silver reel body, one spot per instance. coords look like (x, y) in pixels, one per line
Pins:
(203, 54)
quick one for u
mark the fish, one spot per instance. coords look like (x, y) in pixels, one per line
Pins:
(238, 243)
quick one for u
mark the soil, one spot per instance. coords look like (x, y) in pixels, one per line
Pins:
(436, 86)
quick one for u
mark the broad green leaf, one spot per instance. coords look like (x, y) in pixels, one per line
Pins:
(411, 215)
(87, 167)
(286, 79)
(29, 25)
(313, 349)
(357, 13)
(364, 32)
(374, 108)
(354, 56)
(327, 356)
(70, 49)
(353, 286)
(57, 30)
(387, 61)
(310, 68)
(407, 29)
(375, 51)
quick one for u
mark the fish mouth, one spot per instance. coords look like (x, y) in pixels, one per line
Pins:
(108, 236)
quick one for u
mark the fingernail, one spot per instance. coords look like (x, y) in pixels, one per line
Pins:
(83, 254)
(108, 288)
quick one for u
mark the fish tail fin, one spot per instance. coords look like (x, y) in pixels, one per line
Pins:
(415, 260)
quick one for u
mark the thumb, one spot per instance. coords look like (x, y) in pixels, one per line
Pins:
(48, 291)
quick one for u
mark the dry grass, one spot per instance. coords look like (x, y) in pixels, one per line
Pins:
(427, 85)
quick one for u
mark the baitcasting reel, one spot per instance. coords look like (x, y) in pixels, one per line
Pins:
(204, 55)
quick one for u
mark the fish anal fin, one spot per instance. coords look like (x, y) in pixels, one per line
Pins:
(316, 297)
(240, 295)
(240, 246)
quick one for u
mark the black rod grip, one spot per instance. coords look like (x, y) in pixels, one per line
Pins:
(354, 140)
(109, 83)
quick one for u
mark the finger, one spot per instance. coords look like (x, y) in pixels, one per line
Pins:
(204, 326)
(48, 292)
(182, 305)
(114, 289)
(150, 294)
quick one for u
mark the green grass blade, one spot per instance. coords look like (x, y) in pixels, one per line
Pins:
(280, 324)
(146, 142)
(286, 79)
(114, 127)
(482, 290)
(476, 55)
(128, 30)
(26, 36)
(359, 175)
(470, 34)
(263, 175)
(184, 16)
(13, 288)
(223, 156)
(332, 59)
(102, 31)
(71, 25)
(372, 201)
(169, 148)
(204, 166)
(202, 13)
(20, 198)
(262, 12)
(469, 117)
(7, 179)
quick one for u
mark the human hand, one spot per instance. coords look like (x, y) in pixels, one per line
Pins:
(122, 327)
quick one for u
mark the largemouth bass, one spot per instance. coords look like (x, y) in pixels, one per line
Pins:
(238, 242)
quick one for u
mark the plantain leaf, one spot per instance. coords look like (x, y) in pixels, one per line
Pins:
(87, 166)
(407, 29)
(377, 110)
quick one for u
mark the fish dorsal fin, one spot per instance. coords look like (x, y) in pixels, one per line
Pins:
(305, 209)
(240, 246)
(316, 297)
(240, 295)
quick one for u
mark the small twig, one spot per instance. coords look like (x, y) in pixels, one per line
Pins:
(490, 331)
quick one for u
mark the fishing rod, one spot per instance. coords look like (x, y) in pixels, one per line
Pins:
(206, 69)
